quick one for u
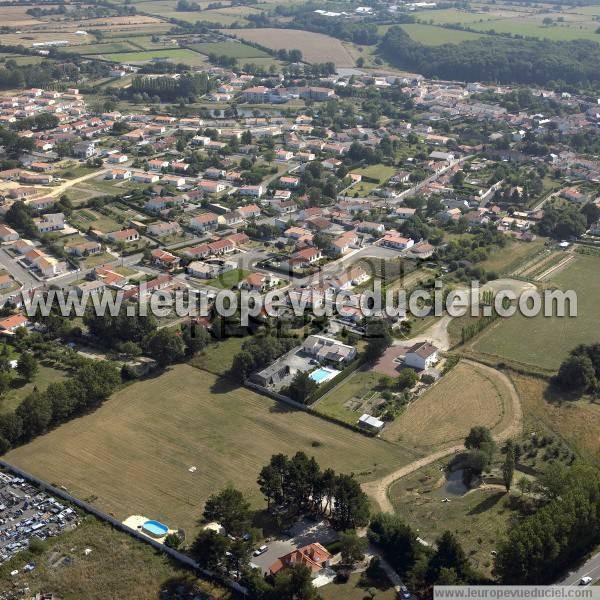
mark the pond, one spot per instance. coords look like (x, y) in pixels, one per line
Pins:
(453, 486)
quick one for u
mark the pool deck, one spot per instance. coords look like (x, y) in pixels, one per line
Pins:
(135, 522)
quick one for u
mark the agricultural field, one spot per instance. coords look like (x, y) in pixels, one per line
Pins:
(167, 10)
(315, 47)
(132, 455)
(479, 518)
(103, 48)
(545, 342)
(230, 49)
(177, 55)
(430, 35)
(218, 359)
(576, 421)
(117, 567)
(468, 395)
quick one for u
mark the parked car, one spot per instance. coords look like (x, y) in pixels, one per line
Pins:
(586, 580)
(261, 550)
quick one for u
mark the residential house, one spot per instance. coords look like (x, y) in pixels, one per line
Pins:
(212, 187)
(396, 241)
(162, 229)
(50, 222)
(7, 234)
(85, 248)
(124, 236)
(205, 222)
(421, 356)
(11, 323)
(306, 257)
(165, 259)
(258, 282)
(314, 556)
(328, 350)
(256, 191)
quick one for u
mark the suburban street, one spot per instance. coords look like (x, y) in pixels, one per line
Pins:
(591, 568)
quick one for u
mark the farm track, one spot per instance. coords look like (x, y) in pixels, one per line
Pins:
(378, 490)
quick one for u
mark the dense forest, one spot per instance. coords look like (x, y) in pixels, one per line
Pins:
(188, 86)
(497, 59)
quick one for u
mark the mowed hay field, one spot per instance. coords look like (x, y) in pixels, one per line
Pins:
(315, 47)
(544, 341)
(469, 395)
(132, 455)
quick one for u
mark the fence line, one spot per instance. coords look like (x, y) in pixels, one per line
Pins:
(183, 559)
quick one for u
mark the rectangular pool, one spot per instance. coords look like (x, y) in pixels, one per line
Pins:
(323, 374)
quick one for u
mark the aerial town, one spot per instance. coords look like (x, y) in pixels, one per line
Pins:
(257, 159)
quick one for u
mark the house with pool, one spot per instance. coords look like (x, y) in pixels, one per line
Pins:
(322, 357)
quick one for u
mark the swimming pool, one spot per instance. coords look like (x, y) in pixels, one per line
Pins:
(155, 529)
(323, 374)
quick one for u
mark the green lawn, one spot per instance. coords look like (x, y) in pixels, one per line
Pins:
(229, 279)
(45, 376)
(379, 173)
(84, 218)
(359, 384)
(218, 357)
(230, 49)
(178, 55)
(543, 341)
(359, 587)
(431, 35)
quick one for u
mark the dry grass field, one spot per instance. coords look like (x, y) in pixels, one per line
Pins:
(576, 422)
(118, 567)
(315, 47)
(469, 395)
(132, 455)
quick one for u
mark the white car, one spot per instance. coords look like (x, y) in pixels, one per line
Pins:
(585, 580)
(261, 550)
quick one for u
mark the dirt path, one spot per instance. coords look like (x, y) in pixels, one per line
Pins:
(378, 489)
(57, 191)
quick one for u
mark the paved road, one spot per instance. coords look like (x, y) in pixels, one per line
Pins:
(19, 273)
(590, 568)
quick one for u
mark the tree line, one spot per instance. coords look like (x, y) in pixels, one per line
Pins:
(496, 59)
(89, 385)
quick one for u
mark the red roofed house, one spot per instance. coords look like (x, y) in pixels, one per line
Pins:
(164, 259)
(314, 556)
(9, 324)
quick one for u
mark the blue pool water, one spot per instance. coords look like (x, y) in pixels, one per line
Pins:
(323, 374)
(155, 528)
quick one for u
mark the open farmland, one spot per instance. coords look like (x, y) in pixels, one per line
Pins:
(469, 395)
(132, 455)
(544, 341)
(176, 55)
(315, 47)
(430, 35)
(229, 49)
